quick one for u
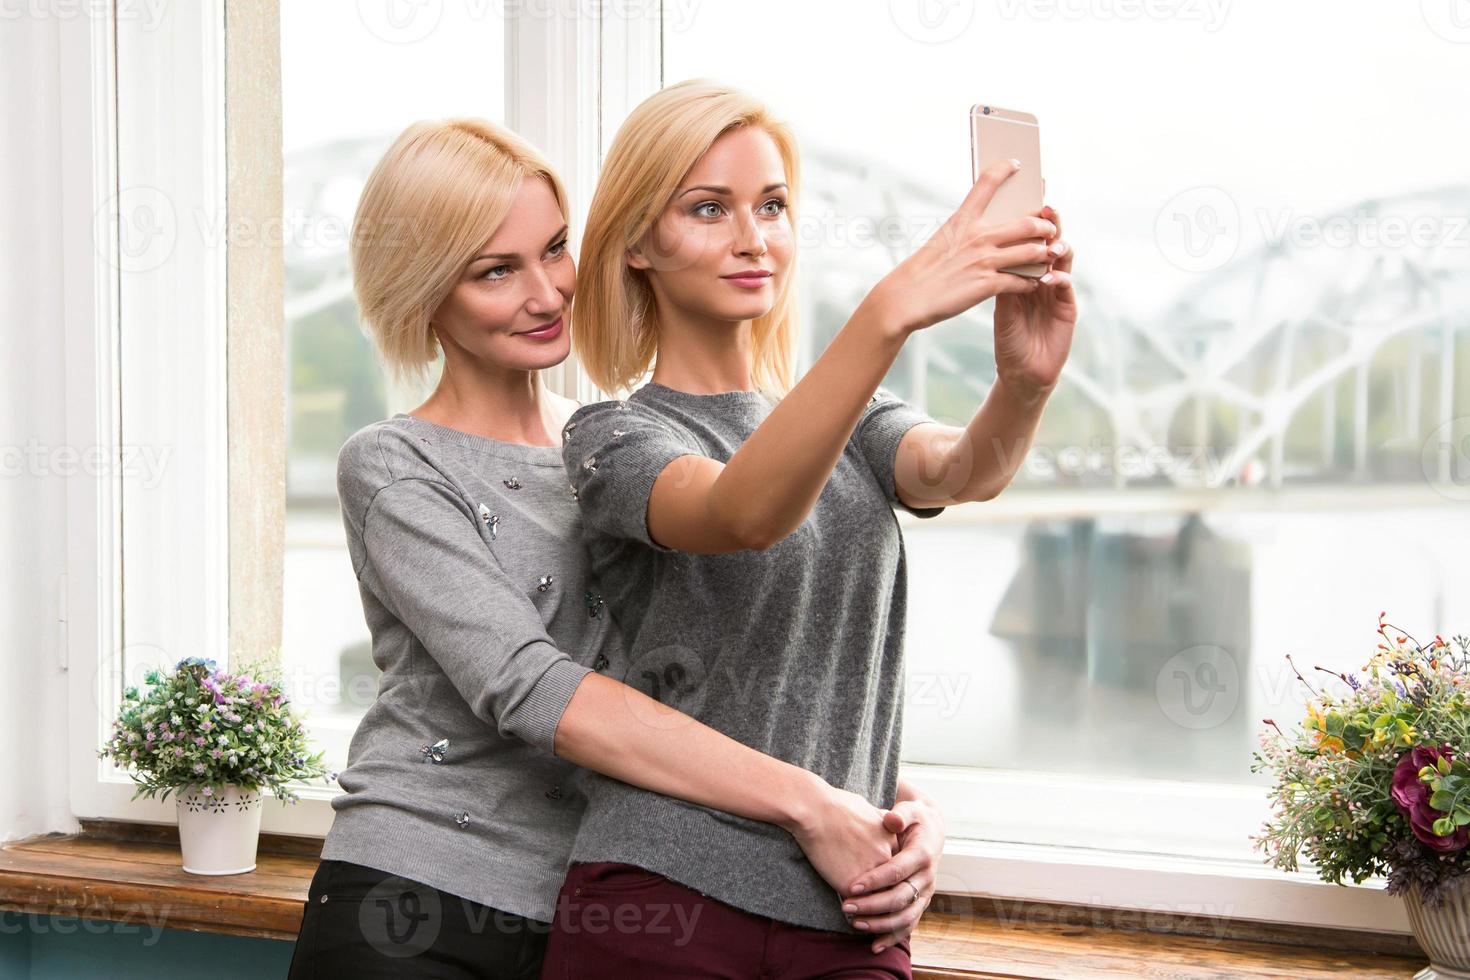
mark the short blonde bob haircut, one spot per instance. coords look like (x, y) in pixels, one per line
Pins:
(439, 193)
(615, 320)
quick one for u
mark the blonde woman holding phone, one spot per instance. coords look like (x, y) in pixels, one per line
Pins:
(498, 653)
(744, 528)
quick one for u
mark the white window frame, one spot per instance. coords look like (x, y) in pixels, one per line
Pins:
(172, 178)
(1007, 838)
(588, 73)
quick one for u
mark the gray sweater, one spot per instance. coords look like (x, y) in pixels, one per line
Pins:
(796, 650)
(474, 585)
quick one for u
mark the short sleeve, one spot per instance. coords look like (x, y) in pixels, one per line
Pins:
(614, 451)
(433, 570)
(878, 434)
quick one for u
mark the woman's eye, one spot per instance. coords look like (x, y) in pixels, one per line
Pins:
(780, 206)
(496, 272)
(557, 249)
(699, 209)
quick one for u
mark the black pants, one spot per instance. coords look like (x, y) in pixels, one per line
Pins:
(361, 922)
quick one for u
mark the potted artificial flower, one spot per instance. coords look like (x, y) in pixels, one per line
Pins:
(1375, 781)
(217, 738)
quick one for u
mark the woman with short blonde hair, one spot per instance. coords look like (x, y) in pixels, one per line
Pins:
(408, 248)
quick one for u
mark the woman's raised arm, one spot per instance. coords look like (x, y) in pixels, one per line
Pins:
(770, 484)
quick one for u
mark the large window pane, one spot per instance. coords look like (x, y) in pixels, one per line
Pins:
(1261, 440)
(353, 75)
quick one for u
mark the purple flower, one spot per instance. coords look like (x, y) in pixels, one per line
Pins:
(178, 752)
(1412, 796)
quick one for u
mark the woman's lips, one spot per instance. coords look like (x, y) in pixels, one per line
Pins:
(547, 332)
(748, 280)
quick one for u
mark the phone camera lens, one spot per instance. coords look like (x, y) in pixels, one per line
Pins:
(986, 110)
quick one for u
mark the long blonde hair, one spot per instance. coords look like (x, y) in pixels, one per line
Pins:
(435, 197)
(615, 320)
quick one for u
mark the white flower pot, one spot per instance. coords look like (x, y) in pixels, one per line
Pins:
(218, 833)
(1443, 932)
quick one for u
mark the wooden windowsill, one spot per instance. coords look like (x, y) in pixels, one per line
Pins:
(131, 873)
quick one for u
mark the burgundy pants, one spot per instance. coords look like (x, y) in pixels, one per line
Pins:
(622, 922)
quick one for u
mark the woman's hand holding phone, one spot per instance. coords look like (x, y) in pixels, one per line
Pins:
(959, 267)
(1034, 328)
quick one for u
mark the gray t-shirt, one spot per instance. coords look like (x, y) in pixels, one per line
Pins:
(474, 585)
(796, 651)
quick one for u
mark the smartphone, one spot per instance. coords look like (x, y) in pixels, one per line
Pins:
(1005, 134)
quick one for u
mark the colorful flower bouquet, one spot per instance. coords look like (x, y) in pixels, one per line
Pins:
(197, 726)
(1375, 780)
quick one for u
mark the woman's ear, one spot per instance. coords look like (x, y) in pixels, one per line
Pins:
(635, 258)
